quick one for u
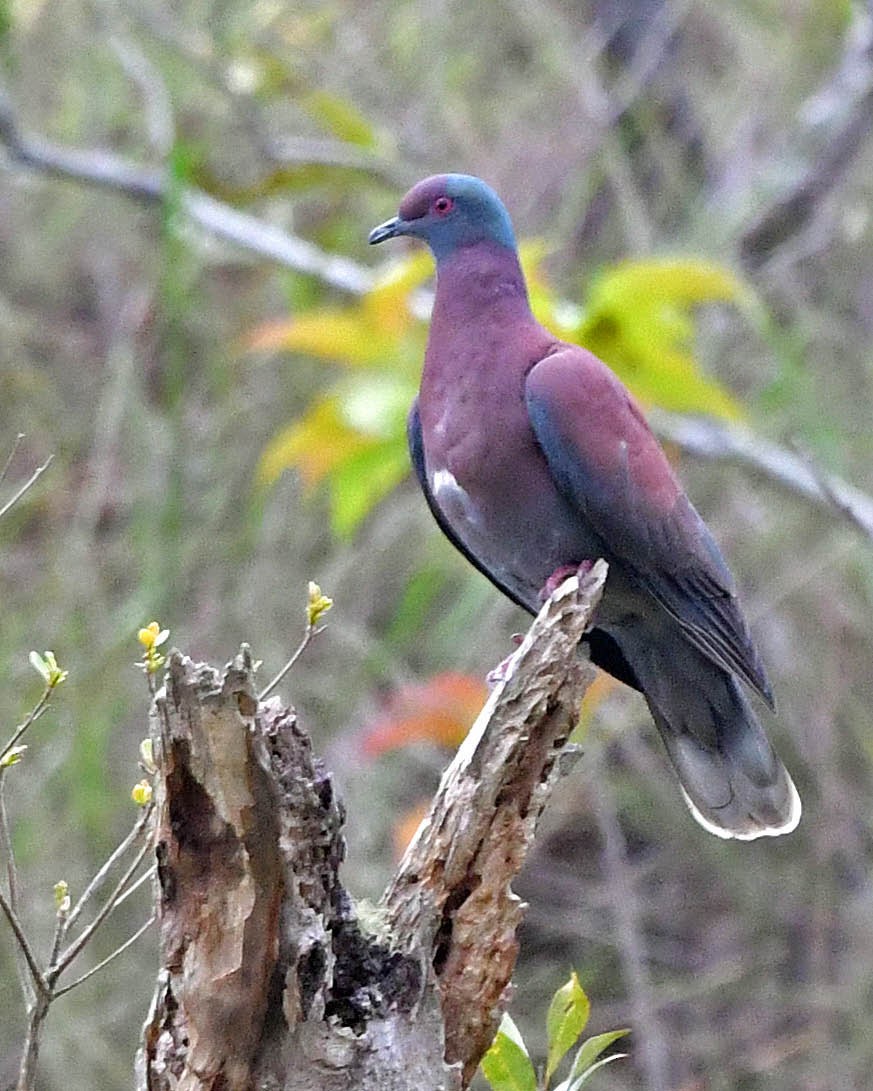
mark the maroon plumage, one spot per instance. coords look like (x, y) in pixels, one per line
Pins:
(534, 457)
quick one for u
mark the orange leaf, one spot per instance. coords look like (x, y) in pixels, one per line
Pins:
(595, 695)
(440, 711)
(406, 825)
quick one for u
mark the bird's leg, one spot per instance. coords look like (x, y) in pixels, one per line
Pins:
(563, 573)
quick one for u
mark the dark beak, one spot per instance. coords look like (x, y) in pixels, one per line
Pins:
(388, 230)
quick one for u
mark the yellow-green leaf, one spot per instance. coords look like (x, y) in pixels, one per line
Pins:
(340, 118)
(314, 445)
(591, 1049)
(678, 281)
(347, 336)
(506, 1065)
(388, 300)
(568, 1014)
(13, 756)
(639, 319)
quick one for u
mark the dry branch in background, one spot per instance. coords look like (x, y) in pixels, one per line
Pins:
(267, 977)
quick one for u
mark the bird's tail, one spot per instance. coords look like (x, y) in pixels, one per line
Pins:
(732, 779)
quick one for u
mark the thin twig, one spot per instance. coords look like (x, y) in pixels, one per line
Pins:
(104, 962)
(6, 845)
(311, 632)
(37, 711)
(144, 878)
(12, 882)
(39, 979)
(70, 953)
(31, 481)
(12, 455)
(58, 937)
(108, 864)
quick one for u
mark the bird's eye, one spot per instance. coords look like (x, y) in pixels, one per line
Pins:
(442, 206)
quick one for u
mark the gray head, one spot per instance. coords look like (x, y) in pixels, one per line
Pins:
(448, 211)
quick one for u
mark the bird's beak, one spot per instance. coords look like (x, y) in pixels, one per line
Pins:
(388, 230)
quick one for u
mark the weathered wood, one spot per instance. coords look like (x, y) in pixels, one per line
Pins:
(451, 893)
(267, 978)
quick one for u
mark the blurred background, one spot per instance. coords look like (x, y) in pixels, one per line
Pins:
(192, 324)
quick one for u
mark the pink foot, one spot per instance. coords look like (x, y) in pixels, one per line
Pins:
(563, 573)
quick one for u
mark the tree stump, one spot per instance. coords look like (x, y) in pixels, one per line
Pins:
(268, 979)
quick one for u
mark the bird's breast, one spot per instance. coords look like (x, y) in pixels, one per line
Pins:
(492, 485)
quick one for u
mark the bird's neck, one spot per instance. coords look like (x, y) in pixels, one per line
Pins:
(479, 283)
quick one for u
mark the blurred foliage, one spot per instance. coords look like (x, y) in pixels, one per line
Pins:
(638, 318)
(618, 132)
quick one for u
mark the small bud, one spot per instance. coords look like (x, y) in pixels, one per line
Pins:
(55, 674)
(147, 757)
(62, 898)
(317, 605)
(152, 636)
(47, 666)
(12, 756)
(141, 793)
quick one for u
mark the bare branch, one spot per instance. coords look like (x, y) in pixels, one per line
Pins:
(712, 439)
(109, 171)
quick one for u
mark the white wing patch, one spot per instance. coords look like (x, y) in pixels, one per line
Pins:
(454, 500)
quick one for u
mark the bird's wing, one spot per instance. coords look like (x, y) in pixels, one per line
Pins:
(608, 464)
(416, 451)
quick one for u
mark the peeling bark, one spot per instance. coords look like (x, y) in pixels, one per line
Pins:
(267, 978)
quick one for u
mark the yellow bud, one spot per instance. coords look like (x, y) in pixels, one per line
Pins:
(141, 793)
(317, 604)
(62, 898)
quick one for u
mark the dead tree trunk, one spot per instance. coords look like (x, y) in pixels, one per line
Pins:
(268, 979)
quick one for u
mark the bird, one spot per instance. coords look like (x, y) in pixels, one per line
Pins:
(535, 459)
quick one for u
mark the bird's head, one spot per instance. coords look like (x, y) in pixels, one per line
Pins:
(448, 211)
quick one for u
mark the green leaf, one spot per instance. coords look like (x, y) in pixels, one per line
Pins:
(363, 479)
(506, 1065)
(39, 665)
(575, 1084)
(568, 1014)
(591, 1049)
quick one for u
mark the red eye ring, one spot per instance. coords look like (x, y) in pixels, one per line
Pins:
(442, 206)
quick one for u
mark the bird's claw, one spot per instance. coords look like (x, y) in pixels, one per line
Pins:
(563, 573)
